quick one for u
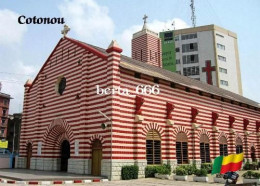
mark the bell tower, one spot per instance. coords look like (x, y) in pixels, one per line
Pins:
(146, 46)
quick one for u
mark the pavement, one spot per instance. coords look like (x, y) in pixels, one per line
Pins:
(33, 177)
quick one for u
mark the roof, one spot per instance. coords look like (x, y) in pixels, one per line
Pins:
(150, 70)
(205, 28)
(5, 95)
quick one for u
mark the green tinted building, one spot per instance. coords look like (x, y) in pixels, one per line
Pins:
(168, 50)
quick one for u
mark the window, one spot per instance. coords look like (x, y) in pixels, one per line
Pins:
(222, 58)
(141, 55)
(223, 82)
(4, 112)
(204, 149)
(223, 70)
(187, 59)
(223, 146)
(189, 47)
(190, 71)
(177, 49)
(176, 38)
(182, 148)
(3, 121)
(239, 146)
(150, 55)
(153, 147)
(220, 46)
(178, 61)
(137, 75)
(5, 102)
(168, 36)
(188, 36)
(219, 35)
(2, 130)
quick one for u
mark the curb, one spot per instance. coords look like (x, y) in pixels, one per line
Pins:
(51, 182)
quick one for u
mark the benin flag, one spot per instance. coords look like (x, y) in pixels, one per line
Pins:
(223, 164)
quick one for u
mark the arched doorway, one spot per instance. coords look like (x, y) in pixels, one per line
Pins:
(153, 147)
(96, 157)
(182, 148)
(239, 146)
(223, 149)
(65, 155)
(204, 149)
(253, 153)
(29, 155)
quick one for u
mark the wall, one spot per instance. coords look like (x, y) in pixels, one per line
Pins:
(4, 162)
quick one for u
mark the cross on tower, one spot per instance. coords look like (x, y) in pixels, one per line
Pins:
(144, 18)
(208, 69)
(65, 30)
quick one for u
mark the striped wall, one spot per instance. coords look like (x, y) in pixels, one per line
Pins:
(50, 118)
(126, 131)
(149, 47)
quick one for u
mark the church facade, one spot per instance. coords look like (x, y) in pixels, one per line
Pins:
(69, 125)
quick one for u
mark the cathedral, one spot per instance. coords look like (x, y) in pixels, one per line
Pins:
(73, 122)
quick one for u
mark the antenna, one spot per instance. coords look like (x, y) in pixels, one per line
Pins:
(193, 17)
(173, 24)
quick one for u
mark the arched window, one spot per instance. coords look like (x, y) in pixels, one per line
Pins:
(204, 149)
(153, 147)
(239, 146)
(223, 146)
(182, 148)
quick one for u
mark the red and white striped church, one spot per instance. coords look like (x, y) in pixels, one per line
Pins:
(69, 125)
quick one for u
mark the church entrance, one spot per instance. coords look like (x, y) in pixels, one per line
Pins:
(253, 154)
(96, 158)
(65, 155)
(29, 155)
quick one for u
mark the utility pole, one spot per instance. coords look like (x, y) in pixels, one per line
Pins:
(193, 17)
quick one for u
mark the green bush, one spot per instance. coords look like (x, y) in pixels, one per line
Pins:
(164, 169)
(246, 166)
(189, 168)
(201, 172)
(150, 171)
(180, 171)
(129, 172)
(251, 175)
(161, 169)
(207, 166)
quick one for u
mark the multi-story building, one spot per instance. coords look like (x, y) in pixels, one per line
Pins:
(206, 53)
(4, 107)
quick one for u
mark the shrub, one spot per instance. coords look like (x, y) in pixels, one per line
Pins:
(207, 166)
(164, 169)
(180, 171)
(189, 168)
(129, 172)
(246, 166)
(150, 171)
(161, 169)
(251, 175)
(201, 172)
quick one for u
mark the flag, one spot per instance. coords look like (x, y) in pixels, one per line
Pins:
(223, 164)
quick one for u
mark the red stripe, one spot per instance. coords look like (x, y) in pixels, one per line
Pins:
(231, 167)
(57, 182)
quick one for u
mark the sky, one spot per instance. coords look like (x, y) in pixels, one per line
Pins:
(25, 48)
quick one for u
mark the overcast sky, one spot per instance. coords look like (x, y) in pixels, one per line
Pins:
(24, 48)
